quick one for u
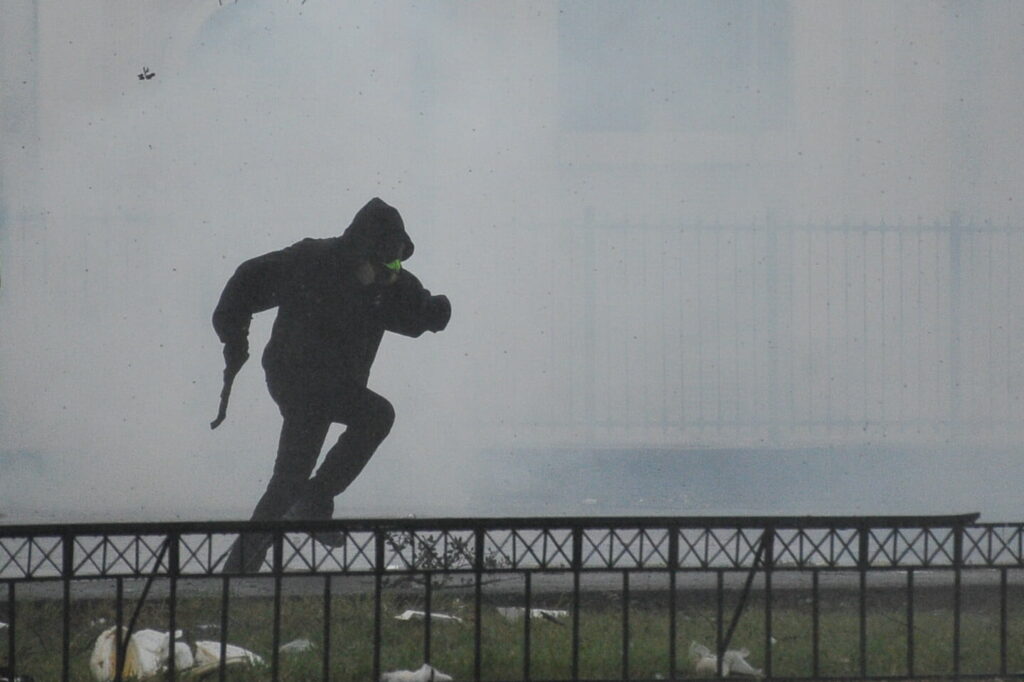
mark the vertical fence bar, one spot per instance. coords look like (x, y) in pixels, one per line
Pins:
(768, 563)
(12, 617)
(625, 625)
(428, 618)
(673, 564)
(815, 624)
(577, 565)
(173, 540)
(67, 569)
(719, 618)
(225, 597)
(958, 558)
(1003, 620)
(528, 589)
(327, 629)
(478, 565)
(275, 654)
(862, 617)
(910, 622)
(378, 588)
(118, 623)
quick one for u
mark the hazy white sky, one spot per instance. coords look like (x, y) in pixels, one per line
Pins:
(498, 129)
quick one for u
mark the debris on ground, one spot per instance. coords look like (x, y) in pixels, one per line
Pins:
(426, 673)
(147, 655)
(409, 614)
(516, 613)
(296, 646)
(208, 654)
(734, 661)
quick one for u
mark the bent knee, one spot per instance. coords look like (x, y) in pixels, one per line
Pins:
(382, 417)
(377, 417)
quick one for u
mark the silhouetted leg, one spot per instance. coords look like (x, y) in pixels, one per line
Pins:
(369, 418)
(302, 436)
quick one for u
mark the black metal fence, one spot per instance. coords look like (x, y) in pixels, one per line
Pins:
(780, 580)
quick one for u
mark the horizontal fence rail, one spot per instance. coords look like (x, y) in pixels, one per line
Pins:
(527, 598)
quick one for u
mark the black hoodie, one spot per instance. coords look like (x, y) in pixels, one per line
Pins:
(329, 325)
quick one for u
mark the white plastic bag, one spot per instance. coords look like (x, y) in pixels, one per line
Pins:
(145, 656)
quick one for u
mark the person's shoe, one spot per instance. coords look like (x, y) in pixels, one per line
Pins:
(316, 508)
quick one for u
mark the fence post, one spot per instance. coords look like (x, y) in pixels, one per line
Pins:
(67, 570)
(958, 562)
(673, 564)
(378, 588)
(11, 628)
(577, 565)
(478, 566)
(768, 562)
(862, 567)
(173, 540)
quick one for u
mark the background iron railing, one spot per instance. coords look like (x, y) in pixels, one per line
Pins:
(668, 563)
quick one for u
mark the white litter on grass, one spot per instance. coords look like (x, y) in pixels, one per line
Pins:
(296, 646)
(409, 614)
(426, 673)
(733, 662)
(516, 613)
(145, 656)
(208, 654)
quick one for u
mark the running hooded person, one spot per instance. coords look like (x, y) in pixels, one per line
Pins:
(335, 298)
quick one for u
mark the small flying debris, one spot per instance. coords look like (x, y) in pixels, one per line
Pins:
(146, 74)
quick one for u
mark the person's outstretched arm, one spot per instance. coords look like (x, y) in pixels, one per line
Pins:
(407, 308)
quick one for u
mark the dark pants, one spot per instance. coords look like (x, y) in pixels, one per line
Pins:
(368, 418)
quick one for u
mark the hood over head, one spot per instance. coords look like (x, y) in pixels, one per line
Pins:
(377, 231)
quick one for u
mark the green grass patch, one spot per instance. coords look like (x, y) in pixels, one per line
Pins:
(605, 652)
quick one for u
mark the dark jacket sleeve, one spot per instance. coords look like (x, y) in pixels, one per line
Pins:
(255, 287)
(409, 309)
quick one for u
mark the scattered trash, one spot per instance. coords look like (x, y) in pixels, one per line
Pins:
(420, 615)
(426, 673)
(516, 613)
(296, 646)
(146, 655)
(208, 655)
(733, 662)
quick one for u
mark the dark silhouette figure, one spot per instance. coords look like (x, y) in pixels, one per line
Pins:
(335, 298)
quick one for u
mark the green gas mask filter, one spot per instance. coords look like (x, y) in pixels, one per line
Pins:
(394, 266)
